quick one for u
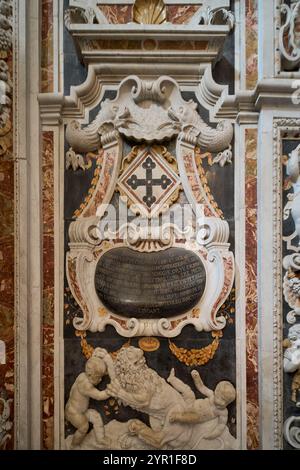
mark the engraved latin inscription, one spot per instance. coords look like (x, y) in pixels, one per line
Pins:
(149, 285)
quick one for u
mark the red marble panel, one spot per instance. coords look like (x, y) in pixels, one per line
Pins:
(122, 14)
(251, 43)
(181, 14)
(48, 289)
(47, 51)
(7, 264)
(117, 14)
(251, 289)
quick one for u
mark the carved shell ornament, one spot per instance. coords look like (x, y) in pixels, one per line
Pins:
(149, 12)
(151, 111)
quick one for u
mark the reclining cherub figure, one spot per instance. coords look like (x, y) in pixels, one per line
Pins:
(203, 409)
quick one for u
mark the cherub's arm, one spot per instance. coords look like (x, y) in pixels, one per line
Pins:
(106, 357)
(200, 385)
(87, 389)
(220, 427)
(180, 386)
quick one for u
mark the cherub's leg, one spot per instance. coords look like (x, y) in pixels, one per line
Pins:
(146, 434)
(95, 418)
(185, 417)
(181, 387)
(80, 422)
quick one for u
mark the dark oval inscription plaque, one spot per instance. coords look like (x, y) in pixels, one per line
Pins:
(149, 285)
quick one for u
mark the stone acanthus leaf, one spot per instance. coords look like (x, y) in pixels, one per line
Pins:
(151, 112)
(289, 36)
(211, 16)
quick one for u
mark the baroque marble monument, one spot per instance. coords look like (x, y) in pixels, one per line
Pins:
(150, 225)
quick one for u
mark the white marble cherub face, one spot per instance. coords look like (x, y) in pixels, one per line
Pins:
(95, 369)
(224, 394)
(294, 336)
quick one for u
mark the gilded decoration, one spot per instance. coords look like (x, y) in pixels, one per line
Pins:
(149, 12)
(197, 357)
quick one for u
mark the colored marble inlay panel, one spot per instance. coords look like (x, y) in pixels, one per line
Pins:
(181, 14)
(117, 14)
(7, 302)
(251, 43)
(47, 51)
(7, 265)
(48, 290)
(122, 14)
(251, 289)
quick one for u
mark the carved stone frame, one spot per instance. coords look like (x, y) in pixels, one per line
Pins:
(287, 128)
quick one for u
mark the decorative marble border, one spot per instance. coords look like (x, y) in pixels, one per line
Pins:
(48, 288)
(286, 127)
(278, 72)
(251, 43)
(251, 304)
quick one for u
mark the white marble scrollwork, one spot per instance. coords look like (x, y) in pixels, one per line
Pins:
(6, 11)
(291, 430)
(289, 36)
(291, 361)
(219, 16)
(293, 170)
(150, 111)
(83, 11)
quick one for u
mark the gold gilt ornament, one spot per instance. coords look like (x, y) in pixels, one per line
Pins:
(197, 357)
(149, 12)
(149, 344)
(87, 349)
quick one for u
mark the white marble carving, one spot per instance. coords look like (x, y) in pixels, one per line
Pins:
(291, 430)
(289, 36)
(149, 111)
(211, 16)
(77, 410)
(291, 361)
(83, 11)
(152, 112)
(293, 170)
(5, 422)
(177, 419)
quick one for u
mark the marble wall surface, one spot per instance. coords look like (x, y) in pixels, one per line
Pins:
(251, 43)
(48, 289)
(7, 244)
(251, 288)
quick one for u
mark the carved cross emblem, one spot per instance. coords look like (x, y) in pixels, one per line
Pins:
(149, 182)
(134, 182)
